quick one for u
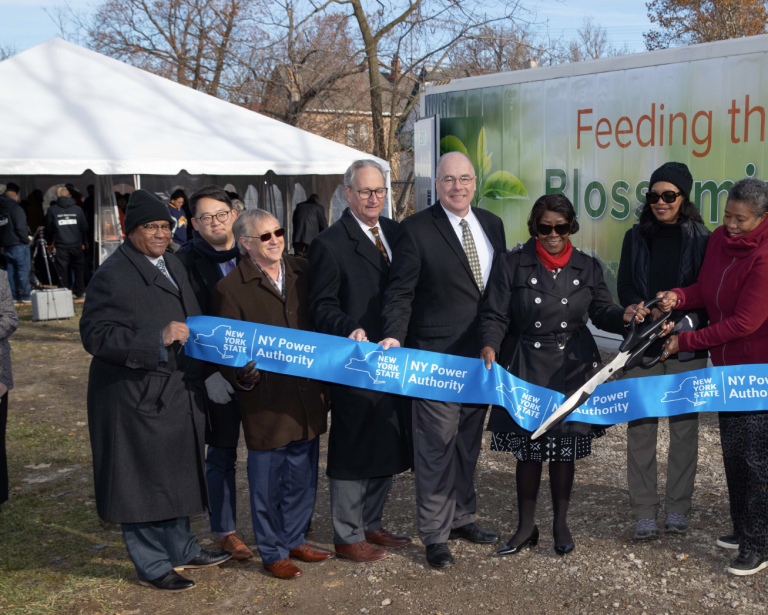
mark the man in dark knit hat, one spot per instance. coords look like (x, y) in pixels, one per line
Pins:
(146, 410)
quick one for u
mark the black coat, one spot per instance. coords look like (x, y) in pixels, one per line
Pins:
(432, 301)
(146, 416)
(309, 221)
(522, 320)
(13, 224)
(370, 431)
(65, 224)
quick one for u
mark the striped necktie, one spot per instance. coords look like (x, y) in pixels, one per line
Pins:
(164, 271)
(380, 244)
(471, 252)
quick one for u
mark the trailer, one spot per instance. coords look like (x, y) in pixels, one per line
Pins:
(596, 130)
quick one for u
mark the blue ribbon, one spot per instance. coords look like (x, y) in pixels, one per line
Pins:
(441, 377)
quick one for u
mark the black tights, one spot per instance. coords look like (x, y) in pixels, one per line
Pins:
(561, 482)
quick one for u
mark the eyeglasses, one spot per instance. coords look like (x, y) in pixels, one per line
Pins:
(151, 229)
(221, 216)
(464, 180)
(267, 236)
(366, 193)
(560, 229)
(669, 196)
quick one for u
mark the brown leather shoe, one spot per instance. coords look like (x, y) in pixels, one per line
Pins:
(310, 554)
(386, 539)
(360, 552)
(236, 547)
(284, 569)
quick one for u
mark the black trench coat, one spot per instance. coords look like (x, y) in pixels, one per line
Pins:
(146, 417)
(538, 326)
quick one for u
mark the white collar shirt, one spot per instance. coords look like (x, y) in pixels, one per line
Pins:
(482, 245)
(367, 231)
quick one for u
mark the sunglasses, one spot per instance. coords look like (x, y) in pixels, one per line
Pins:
(267, 236)
(560, 229)
(669, 196)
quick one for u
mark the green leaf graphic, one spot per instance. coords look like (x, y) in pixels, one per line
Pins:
(483, 158)
(452, 144)
(504, 185)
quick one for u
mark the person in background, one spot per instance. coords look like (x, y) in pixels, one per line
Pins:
(283, 416)
(75, 194)
(67, 229)
(89, 207)
(146, 405)
(665, 250)
(121, 200)
(9, 322)
(369, 440)
(33, 208)
(309, 220)
(177, 206)
(534, 320)
(14, 239)
(733, 287)
(209, 256)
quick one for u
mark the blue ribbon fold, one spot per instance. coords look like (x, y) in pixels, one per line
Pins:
(441, 377)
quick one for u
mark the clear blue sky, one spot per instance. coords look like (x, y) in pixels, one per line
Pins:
(24, 23)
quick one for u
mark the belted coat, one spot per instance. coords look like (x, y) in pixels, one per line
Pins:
(146, 411)
(537, 325)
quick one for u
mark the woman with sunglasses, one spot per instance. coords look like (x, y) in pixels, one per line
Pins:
(534, 320)
(283, 416)
(664, 250)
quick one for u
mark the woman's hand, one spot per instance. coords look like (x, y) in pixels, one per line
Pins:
(669, 300)
(358, 335)
(488, 355)
(635, 310)
(248, 375)
(670, 348)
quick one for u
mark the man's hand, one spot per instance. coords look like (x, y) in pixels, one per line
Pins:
(248, 375)
(636, 310)
(389, 342)
(358, 335)
(669, 300)
(3, 389)
(175, 332)
(670, 348)
(488, 355)
(219, 390)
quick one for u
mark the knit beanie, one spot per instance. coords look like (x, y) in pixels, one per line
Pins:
(144, 207)
(675, 173)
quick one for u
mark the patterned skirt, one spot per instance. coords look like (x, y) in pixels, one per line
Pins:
(569, 448)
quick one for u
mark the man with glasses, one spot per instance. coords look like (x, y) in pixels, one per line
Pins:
(369, 440)
(146, 410)
(210, 255)
(440, 268)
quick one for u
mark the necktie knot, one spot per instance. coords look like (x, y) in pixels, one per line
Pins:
(375, 231)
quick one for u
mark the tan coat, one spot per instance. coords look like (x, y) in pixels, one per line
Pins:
(280, 409)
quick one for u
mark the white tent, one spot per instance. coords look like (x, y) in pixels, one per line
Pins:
(65, 109)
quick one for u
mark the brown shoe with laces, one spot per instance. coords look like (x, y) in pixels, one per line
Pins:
(236, 547)
(284, 569)
(387, 539)
(310, 554)
(362, 552)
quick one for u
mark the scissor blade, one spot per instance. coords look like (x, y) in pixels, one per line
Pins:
(582, 394)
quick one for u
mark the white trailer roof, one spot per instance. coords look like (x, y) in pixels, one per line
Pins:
(65, 109)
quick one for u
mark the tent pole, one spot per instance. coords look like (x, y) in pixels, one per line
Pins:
(137, 182)
(388, 207)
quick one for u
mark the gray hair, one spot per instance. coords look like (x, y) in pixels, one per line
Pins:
(349, 176)
(753, 192)
(246, 220)
(444, 156)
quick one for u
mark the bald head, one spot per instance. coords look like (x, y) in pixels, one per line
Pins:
(456, 182)
(455, 156)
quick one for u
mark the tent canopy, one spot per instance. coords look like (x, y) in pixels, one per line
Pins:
(65, 109)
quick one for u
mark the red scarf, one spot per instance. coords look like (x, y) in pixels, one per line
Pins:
(554, 262)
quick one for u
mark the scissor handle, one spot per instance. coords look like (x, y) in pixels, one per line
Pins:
(635, 337)
(638, 358)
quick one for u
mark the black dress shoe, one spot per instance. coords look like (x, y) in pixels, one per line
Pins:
(746, 564)
(171, 582)
(439, 556)
(508, 549)
(205, 559)
(473, 533)
(566, 549)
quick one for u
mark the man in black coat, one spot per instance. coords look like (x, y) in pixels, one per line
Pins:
(65, 224)
(368, 443)
(210, 255)
(309, 221)
(145, 408)
(440, 268)
(14, 240)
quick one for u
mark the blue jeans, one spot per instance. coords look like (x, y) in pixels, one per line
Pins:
(283, 484)
(220, 474)
(19, 263)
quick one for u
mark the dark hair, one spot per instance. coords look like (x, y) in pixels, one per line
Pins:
(558, 203)
(179, 194)
(209, 192)
(687, 211)
(12, 187)
(313, 198)
(232, 195)
(751, 191)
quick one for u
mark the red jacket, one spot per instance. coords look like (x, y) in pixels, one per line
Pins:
(733, 287)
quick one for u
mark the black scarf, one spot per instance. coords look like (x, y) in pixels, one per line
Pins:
(207, 250)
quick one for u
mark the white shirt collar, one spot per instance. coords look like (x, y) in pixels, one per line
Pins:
(456, 220)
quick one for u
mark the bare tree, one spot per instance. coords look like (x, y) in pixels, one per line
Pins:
(6, 51)
(686, 22)
(497, 48)
(591, 43)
